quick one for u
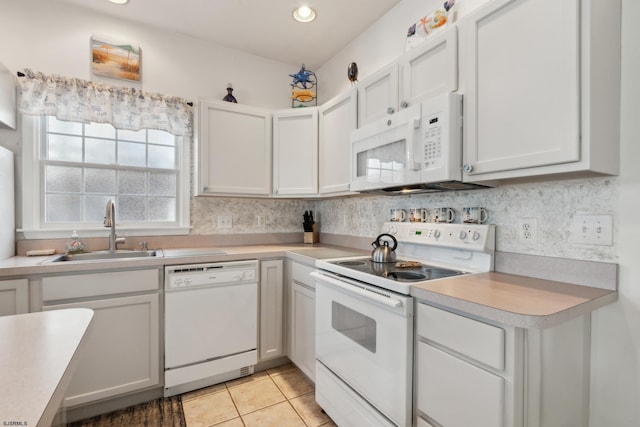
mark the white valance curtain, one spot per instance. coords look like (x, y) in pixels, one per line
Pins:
(84, 101)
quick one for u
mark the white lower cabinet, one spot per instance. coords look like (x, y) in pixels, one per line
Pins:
(303, 324)
(474, 372)
(271, 310)
(14, 297)
(122, 351)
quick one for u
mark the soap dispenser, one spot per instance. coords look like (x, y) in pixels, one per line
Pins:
(75, 245)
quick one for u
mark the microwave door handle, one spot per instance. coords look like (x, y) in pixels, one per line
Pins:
(411, 158)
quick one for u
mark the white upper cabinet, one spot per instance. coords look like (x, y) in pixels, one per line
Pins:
(295, 152)
(337, 119)
(378, 95)
(430, 69)
(541, 85)
(427, 70)
(7, 98)
(234, 150)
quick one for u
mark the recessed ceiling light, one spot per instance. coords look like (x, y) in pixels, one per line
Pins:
(304, 14)
(119, 1)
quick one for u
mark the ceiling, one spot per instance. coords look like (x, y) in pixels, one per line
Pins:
(262, 27)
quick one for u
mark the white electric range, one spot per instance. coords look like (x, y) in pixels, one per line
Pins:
(364, 318)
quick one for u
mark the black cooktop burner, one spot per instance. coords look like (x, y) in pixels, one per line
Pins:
(389, 270)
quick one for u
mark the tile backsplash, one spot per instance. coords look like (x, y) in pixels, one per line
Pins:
(552, 204)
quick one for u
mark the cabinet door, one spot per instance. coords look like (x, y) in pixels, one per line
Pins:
(295, 152)
(337, 118)
(378, 95)
(122, 352)
(14, 297)
(234, 149)
(430, 69)
(520, 65)
(303, 329)
(271, 309)
(455, 393)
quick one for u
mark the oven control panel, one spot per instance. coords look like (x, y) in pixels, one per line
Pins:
(476, 237)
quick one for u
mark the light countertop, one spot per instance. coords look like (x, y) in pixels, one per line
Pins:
(39, 354)
(510, 299)
(520, 301)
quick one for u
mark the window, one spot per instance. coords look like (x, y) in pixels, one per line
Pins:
(74, 168)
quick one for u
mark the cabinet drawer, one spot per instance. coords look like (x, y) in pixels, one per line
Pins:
(300, 273)
(480, 341)
(455, 393)
(96, 284)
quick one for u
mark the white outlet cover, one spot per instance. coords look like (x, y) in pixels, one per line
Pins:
(527, 231)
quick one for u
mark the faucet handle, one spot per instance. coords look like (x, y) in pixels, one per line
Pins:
(143, 246)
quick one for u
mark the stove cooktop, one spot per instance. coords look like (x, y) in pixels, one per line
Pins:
(391, 271)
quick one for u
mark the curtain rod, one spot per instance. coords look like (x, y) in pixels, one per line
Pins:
(21, 74)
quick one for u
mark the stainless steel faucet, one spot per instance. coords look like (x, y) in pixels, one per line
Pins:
(110, 221)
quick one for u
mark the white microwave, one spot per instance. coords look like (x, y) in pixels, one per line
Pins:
(418, 149)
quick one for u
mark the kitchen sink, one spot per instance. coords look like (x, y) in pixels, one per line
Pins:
(106, 255)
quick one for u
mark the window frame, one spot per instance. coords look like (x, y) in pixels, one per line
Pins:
(32, 195)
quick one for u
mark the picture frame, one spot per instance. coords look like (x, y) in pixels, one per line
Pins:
(115, 59)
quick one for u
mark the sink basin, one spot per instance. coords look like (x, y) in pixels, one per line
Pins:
(106, 255)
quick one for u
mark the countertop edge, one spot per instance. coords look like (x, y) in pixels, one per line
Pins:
(519, 320)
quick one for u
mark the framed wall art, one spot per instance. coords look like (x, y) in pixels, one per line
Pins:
(114, 59)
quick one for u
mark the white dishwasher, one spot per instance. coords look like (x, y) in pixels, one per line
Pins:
(211, 324)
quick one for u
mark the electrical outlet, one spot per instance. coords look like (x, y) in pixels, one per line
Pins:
(225, 221)
(592, 230)
(527, 231)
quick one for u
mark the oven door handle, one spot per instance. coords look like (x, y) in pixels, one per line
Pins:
(354, 289)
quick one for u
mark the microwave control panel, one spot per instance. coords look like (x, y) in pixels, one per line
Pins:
(432, 137)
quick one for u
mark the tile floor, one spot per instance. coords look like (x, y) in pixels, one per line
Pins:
(282, 397)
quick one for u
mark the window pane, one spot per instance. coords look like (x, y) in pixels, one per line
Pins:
(63, 147)
(130, 154)
(132, 182)
(161, 137)
(95, 208)
(100, 151)
(102, 181)
(131, 209)
(162, 209)
(55, 125)
(102, 130)
(130, 135)
(162, 157)
(62, 208)
(162, 184)
(63, 179)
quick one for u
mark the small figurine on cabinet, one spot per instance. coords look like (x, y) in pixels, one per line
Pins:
(352, 73)
(303, 87)
(229, 96)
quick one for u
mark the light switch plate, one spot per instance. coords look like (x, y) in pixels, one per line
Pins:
(592, 230)
(225, 221)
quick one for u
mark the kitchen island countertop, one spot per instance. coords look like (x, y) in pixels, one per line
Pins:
(40, 353)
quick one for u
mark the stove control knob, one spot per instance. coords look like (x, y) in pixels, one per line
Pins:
(436, 233)
(463, 235)
(393, 230)
(475, 235)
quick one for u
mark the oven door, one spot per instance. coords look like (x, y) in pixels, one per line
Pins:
(364, 337)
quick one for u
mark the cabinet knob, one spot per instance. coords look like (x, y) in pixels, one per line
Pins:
(390, 110)
(467, 168)
(404, 104)
(205, 188)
